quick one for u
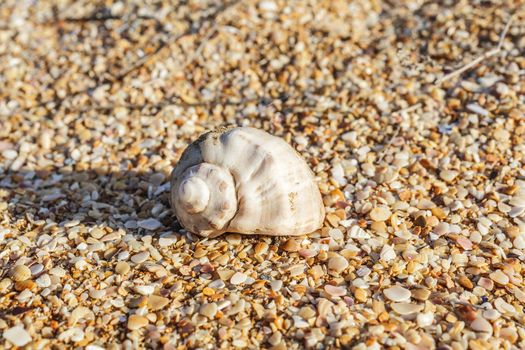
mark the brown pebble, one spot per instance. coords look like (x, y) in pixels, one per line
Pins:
(360, 295)
(27, 284)
(290, 245)
(122, 268)
(156, 302)
(465, 282)
(420, 221)
(20, 273)
(136, 322)
(420, 294)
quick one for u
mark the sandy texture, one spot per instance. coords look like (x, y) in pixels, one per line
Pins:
(422, 173)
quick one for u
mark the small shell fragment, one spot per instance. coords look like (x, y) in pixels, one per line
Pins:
(397, 293)
(17, 336)
(335, 291)
(20, 273)
(238, 278)
(406, 308)
(137, 322)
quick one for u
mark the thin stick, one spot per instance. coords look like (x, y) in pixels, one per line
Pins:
(476, 61)
(389, 144)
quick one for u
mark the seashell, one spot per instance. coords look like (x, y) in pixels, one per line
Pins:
(245, 180)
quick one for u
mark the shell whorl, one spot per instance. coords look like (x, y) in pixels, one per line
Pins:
(205, 198)
(194, 195)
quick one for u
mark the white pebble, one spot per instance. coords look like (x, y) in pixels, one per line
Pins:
(9, 154)
(425, 319)
(36, 269)
(276, 285)
(519, 242)
(338, 264)
(397, 293)
(481, 325)
(140, 257)
(149, 224)
(387, 253)
(144, 290)
(238, 278)
(475, 108)
(17, 335)
(43, 281)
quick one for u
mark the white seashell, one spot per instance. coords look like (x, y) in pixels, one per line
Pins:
(246, 181)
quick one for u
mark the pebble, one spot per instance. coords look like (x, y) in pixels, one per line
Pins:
(149, 224)
(316, 272)
(464, 242)
(338, 264)
(397, 293)
(380, 214)
(97, 233)
(387, 253)
(425, 319)
(267, 5)
(485, 283)
(156, 302)
(43, 281)
(79, 313)
(448, 175)
(208, 310)
(9, 154)
(216, 284)
(122, 268)
(36, 269)
(421, 294)
(17, 336)
(140, 257)
(291, 245)
(406, 308)
(519, 242)
(261, 248)
(475, 108)
(465, 282)
(20, 273)
(97, 293)
(234, 239)
(509, 333)
(442, 228)
(5, 284)
(361, 295)
(238, 278)
(499, 277)
(491, 314)
(481, 325)
(137, 322)
(57, 271)
(167, 241)
(335, 291)
(145, 289)
(336, 234)
(504, 307)
(276, 285)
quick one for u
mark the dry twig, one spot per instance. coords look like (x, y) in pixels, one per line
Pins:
(479, 59)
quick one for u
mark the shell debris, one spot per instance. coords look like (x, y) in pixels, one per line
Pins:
(418, 163)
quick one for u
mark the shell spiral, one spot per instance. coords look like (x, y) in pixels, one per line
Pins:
(247, 181)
